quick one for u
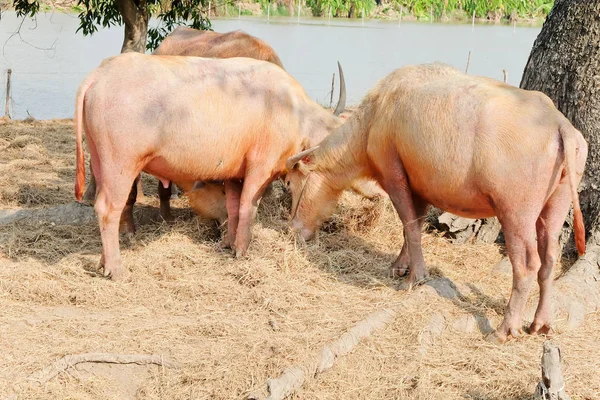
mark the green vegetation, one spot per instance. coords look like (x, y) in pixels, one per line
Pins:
(94, 14)
(494, 10)
(486, 9)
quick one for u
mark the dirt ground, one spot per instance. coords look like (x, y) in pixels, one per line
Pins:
(233, 324)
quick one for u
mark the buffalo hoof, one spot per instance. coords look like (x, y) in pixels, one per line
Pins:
(166, 215)
(398, 272)
(240, 252)
(495, 338)
(224, 243)
(415, 279)
(500, 336)
(116, 273)
(127, 228)
(537, 328)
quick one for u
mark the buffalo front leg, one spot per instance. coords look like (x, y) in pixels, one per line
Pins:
(401, 267)
(410, 210)
(164, 194)
(253, 189)
(233, 194)
(523, 254)
(548, 227)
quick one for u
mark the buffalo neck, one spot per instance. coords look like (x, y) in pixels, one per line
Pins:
(342, 156)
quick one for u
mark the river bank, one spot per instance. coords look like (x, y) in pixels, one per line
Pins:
(530, 13)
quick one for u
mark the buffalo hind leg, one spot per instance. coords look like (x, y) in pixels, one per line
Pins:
(254, 187)
(126, 224)
(164, 194)
(111, 199)
(522, 251)
(548, 226)
(233, 193)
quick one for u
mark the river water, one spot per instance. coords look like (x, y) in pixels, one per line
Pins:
(49, 59)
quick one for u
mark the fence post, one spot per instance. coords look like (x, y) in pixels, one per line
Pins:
(6, 111)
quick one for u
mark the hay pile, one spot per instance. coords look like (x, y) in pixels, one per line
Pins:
(233, 324)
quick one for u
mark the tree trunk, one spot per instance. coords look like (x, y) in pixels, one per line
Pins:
(564, 64)
(135, 18)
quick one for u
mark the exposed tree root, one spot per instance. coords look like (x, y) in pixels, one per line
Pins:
(292, 378)
(71, 360)
(577, 293)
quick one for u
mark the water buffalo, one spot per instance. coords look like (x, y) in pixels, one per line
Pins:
(473, 146)
(208, 200)
(184, 41)
(188, 119)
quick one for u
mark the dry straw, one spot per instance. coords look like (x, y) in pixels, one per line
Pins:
(233, 324)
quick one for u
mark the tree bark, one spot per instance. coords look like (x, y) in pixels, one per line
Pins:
(564, 64)
(135, 18)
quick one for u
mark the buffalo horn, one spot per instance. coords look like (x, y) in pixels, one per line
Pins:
(341, 105)
(297, 157)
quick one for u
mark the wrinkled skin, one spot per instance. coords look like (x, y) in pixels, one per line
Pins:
(483, 148)
(188, 119)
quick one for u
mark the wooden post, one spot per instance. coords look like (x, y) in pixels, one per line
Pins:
(473, 22)
(468, 62)
(6, 110)
(400, 17)
(552, 385)
(209, 9)
(505, 75)
(268, 11)
(332, 87)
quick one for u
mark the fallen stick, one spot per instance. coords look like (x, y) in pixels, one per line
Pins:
(71, 360)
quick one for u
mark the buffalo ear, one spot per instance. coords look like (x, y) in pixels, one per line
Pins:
(302, 159)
